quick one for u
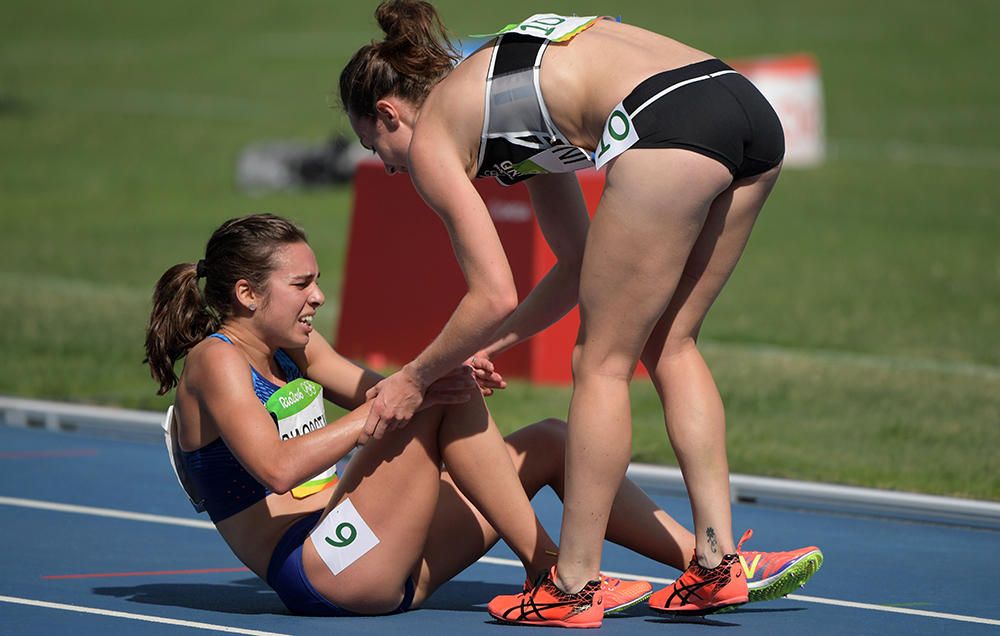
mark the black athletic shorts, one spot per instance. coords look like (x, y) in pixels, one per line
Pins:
(708, 108)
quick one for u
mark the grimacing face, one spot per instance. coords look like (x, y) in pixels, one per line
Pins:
(292, 296)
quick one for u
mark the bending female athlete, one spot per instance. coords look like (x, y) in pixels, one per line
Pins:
(252, 447)
(692, 151)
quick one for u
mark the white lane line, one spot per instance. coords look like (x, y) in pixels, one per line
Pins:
(136, 617)
(895, 610)
(795, 597)
(107, 512)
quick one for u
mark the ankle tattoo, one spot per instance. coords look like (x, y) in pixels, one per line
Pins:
(712, 542)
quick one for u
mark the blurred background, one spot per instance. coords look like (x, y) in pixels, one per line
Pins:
(857, 343)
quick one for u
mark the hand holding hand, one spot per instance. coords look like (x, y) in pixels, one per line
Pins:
(395, 400)
(456, 387)
(485, 374)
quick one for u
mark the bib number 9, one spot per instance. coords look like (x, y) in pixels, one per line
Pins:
(346, 533)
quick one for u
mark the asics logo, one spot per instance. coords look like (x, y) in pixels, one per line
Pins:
(684, 593)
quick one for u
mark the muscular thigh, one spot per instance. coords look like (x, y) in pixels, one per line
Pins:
(652, 211)
(393, 484)
(711, 262)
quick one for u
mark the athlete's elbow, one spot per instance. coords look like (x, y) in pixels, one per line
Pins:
(501, 303)
(277, 485)
(277, 479)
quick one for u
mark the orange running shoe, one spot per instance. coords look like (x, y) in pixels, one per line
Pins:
(618, 594)
(771, 575)
(703, 591)
(546, 604)
(621, 594)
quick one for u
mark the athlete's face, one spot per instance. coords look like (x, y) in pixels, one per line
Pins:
(292, 296)
(387, 134)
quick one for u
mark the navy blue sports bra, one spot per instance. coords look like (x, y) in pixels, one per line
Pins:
(223, 485)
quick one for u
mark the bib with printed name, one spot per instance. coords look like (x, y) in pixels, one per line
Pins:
(297, 408)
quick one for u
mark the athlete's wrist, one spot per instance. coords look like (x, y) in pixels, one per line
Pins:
(417, 375)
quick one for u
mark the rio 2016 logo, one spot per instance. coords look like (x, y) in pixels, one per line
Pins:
(346, 533)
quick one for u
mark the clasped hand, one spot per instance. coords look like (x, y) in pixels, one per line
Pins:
(397, 398)
(485, 374)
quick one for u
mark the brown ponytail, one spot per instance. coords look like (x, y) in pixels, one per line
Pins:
(182, 315)
(415, 55)
(180, 319)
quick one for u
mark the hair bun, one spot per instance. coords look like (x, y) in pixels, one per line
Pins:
(396, 16)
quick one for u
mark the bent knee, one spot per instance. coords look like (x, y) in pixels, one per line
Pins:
(551, 431)
(373, 602)
(672, 347)
(545, 436)
(606, 367)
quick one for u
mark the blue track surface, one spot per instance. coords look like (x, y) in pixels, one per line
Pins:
(83, 571)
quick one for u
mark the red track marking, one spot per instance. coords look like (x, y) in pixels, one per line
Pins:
(75, 452)
(91, 576)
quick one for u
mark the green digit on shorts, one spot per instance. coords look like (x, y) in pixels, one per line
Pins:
(346, 533)
(611, 131)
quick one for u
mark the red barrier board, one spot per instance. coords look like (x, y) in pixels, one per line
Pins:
(402, 282)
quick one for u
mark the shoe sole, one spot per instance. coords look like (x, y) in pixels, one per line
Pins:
(548, 623)
(715, 609)
(790, 580)
(625, 606)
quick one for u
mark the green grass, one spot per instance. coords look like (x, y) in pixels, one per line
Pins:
(857, 342)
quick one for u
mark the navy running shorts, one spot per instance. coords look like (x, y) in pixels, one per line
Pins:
(286, 576)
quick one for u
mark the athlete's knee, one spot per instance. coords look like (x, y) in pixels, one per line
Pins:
(609, 366)
(551, 433)
(542, 450)
(676, 345)
(543, 441)
(373, 600)
(659, 360)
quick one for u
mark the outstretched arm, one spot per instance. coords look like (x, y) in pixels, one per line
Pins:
(562, 216)
(442, 181)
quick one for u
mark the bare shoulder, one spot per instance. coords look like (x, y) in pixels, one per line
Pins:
(216, 380)
(451, 119)
(213, 362)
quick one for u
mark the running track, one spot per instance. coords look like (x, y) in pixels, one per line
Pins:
(97, 537)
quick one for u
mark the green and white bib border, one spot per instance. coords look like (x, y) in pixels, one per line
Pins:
(548, 26)
(298, 410)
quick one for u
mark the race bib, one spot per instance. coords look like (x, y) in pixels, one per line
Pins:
(342, 537)
(556, 159)
(297, 409)
(617, 137)
(547, 26)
